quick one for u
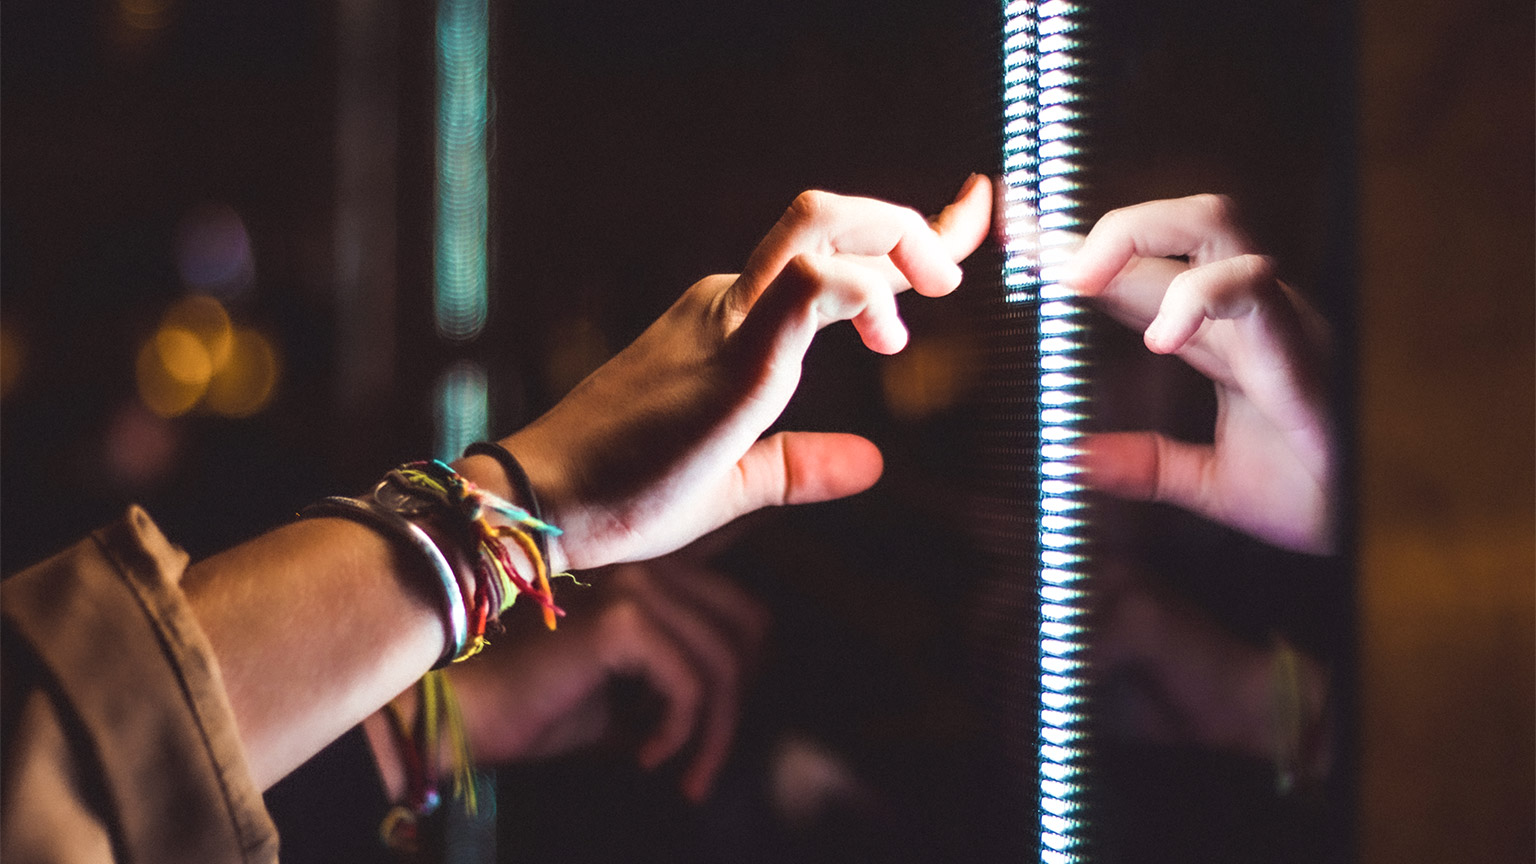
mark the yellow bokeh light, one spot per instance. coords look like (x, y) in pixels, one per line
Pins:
(927, 378)
(183, 356)
(246, 383)
(160, 391)
(204, 317)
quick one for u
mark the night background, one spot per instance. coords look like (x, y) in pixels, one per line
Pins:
(279, 156)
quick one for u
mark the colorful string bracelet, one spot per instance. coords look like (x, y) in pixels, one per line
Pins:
(420, 505)
(517, 478)
(485, 525)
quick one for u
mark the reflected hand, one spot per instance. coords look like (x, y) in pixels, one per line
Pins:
(1271, 470)
(689, 633)
(661, 444)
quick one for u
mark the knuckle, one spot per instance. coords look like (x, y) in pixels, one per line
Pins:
(1259, 269)
(1110, 221)
(808, 207)
(1218, 209)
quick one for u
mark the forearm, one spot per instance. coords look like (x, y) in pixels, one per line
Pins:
(318, 624)
(315, 625)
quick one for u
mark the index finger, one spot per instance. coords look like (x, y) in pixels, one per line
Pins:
(1202, 227)
(920, 255)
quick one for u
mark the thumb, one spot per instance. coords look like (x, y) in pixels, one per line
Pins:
(1146, 466)
(805, 467)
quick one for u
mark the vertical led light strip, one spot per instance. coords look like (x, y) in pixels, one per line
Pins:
(1039, 168)
(463, 199)
(460, 262)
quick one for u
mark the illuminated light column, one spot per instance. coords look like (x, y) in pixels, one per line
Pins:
(463, 185)
(1039, 165)
(460, 253)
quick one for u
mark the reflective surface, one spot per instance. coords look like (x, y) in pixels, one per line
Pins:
(636, 147)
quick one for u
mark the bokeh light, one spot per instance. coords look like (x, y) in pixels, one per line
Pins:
(463, 408)
(160, 390)
(461, 299)
(183, 356)
(144, 14)
(246, 384)
(927, 377)
(141, 447)
(213, 251)
(197, 357)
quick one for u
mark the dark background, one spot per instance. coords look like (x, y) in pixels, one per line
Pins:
(639, 146)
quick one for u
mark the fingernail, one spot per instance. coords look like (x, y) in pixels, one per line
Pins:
(1156, 333)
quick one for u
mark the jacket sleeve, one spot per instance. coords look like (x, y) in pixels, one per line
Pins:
(118, 740)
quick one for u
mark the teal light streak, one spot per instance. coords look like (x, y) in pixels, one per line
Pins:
(463, 403)
(463, 184)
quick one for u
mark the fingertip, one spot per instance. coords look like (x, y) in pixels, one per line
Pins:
(970, 185)
(823, 466)
(697, 785)
(888, 341)
(1084, 276)
(1156, 335)
(966, 221)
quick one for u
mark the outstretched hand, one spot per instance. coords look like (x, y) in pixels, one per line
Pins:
(661, 444)
(1271, 469)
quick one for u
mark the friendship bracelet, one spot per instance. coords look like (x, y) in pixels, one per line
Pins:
(419, 486)
(458, 513)
(420, 747)
(518, 479)
(408, 535)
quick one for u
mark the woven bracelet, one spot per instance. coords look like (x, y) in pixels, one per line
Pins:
(521, 485)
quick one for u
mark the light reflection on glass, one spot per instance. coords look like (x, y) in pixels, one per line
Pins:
(1039, 150)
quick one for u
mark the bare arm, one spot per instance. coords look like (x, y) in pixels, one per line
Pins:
(317, 625)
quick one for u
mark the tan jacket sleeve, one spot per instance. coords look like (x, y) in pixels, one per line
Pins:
(118, 739)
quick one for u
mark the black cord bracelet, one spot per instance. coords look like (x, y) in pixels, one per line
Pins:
(521, 485)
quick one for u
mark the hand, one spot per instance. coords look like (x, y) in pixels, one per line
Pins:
(689, 633)
(1179, 677)
(661, 444)
(1271, 470)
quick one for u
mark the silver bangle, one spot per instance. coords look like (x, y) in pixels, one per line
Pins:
(407, 533)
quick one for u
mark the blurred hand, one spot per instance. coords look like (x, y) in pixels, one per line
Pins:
(1271, 470)
(688, 633)
(661, 444)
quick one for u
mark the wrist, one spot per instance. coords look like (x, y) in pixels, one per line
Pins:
(534, 491)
